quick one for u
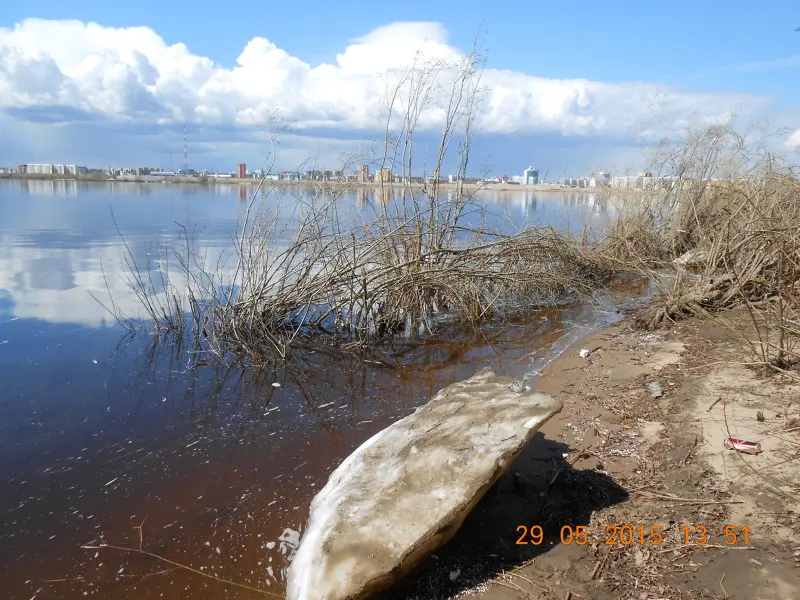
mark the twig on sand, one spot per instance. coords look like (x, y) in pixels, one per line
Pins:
(724, 591)
(777, 464)
(713, 404)
(781, 429)
(531, 583)
(704, 546)
(511, 585)
(689, 453)
(578, 456)
(686, 500)
(517, 574)
(600, 565)
(146, 575)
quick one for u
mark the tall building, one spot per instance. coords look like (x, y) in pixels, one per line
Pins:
(241, 170)
(41, 169)
(530, 176)
(363, 173)
(383, 175)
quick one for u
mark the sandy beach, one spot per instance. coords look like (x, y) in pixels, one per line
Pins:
(633, 493)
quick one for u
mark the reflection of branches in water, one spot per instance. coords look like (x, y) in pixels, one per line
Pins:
(202, 384)
(539, 329)
(209, 393)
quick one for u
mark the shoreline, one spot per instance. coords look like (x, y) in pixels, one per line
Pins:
(100, 178)
(617, 456)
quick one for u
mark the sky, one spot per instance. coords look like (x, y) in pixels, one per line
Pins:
(569, 89)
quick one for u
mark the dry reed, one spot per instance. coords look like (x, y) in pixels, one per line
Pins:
(724, 233)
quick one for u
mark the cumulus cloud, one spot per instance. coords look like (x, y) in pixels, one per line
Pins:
(395, 46)
(52, 69)
(794, 140)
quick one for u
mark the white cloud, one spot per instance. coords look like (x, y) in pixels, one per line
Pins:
(794, 140)
(786, 62)
(132, 75)
(395, 46)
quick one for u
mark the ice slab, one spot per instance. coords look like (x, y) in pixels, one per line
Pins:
(406, 490)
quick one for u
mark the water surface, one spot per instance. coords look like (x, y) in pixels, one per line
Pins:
(106, 439)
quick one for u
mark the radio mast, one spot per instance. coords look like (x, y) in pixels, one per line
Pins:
(185, 151)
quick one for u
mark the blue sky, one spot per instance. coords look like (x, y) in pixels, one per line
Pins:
(562, 73)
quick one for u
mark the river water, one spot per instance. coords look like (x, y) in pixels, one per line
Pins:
(112, 440)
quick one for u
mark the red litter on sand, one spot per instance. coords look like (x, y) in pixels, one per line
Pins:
(743, 446)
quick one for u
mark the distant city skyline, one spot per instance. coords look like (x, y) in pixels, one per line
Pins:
(87, 82)
(361, 173)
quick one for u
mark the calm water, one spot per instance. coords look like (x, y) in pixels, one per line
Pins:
(118, 441)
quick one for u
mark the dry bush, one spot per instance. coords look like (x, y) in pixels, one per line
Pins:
(736, 209)
(385, 276)
(307, 274)
(637, 239)
(418, 259)
(750, 231)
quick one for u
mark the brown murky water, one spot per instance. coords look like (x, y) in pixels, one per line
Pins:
(103, 443)
(227, 488)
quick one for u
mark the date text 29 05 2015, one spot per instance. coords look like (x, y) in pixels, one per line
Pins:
(627, 535)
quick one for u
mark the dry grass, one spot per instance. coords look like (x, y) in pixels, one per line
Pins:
(737, 210)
